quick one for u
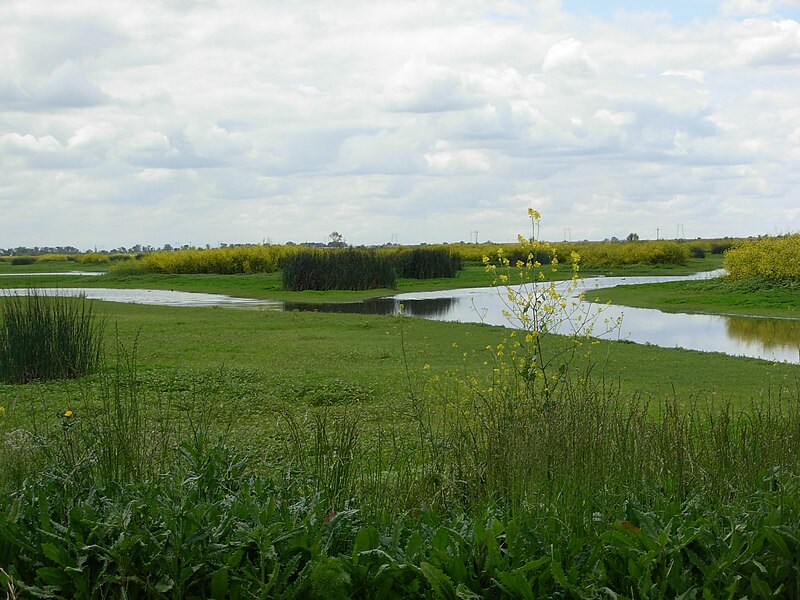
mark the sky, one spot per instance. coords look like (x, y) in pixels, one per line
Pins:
(243, 121)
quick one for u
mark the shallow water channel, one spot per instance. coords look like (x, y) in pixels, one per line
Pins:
(767, 338)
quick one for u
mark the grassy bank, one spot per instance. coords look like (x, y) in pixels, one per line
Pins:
(286, 455)
(756, 297)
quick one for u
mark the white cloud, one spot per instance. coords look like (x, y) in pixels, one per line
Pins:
(569, 56)
(459, 161)
(766, 42)
(738, 8)
(695, 75)
(422, 87)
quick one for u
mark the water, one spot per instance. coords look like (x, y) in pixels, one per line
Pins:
(156, 297)
(770, 339)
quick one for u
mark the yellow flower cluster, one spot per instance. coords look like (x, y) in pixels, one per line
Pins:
(775, 258)
(225, 261)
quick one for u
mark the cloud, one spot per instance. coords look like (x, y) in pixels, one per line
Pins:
(458, 161)
(695, 75)
(421, 87)
(233, 121)
(737, 8)
(67, 86)
(569, 57)
(765, 42)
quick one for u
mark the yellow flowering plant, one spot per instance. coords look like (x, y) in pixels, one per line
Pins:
(537, 308)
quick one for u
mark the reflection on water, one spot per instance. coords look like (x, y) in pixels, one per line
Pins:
(772, 333)
(424, 308)
(771, 339)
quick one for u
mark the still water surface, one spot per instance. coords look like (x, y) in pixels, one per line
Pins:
(771, 339)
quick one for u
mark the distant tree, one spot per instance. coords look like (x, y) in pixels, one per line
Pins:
(633, 237)
(337, 240)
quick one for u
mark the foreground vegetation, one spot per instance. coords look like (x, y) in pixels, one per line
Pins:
(297, 471)
(332, 456)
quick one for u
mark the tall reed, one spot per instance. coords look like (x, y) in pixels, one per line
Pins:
(340, 269)
(48, 337)
(427, 263)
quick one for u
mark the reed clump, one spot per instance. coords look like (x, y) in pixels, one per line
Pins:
(427, 263)
(339, 269)
(48, 337)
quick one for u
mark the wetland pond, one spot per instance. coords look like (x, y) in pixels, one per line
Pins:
(756, 337)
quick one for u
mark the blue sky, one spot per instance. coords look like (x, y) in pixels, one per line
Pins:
(239, 120)
(681, 12)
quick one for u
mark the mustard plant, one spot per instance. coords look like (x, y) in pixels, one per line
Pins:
(538, 309)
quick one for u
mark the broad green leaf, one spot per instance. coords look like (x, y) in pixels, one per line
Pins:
(366, 539)
(464, 593)
(514, 584)
(760, 587)
(441, 583)
(54, 553)
(558, 573)
(219, 583)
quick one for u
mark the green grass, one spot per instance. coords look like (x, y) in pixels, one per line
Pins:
(318, 455)
(51, 266)
(340, 488)
(284, 356)
(721, 296)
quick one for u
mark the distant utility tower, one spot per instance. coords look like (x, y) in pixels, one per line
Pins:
(473, 235)
(680, 233)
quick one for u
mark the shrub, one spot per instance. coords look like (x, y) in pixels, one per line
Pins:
(52, 258)
(776, 259)
(43, 338)
(23, 260)
(721, 247)
(93, 257)
(220, 261)
(697, 251)
(339, 269)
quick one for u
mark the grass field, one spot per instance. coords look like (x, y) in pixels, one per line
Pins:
(271, 358)
(241, 453)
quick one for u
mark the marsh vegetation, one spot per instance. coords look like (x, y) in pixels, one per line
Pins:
(237, 454)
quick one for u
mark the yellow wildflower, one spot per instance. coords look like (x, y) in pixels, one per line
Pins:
(68, 413)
